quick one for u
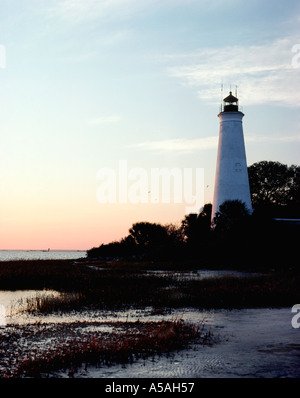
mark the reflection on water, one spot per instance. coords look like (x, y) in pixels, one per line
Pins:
(249, 342)
(252, 343)
(15, 303)
(200, 274)
(12, 255)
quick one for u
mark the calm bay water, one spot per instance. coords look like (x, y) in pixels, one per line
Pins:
(6, 255)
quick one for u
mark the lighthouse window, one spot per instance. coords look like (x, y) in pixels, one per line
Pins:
(237, 167)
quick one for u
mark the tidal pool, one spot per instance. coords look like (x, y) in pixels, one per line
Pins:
(256, 343)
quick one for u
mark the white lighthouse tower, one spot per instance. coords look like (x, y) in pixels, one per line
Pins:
(231, 180)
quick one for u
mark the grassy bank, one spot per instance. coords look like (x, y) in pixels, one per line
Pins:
(271, 290)
(125, 285)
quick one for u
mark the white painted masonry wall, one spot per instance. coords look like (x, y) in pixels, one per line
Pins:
(231, 180)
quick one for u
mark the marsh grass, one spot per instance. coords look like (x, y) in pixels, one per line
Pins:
(270, 290)
(122, 287)
(48, 303)
(136, 340)
(81, 287)
(60, 275)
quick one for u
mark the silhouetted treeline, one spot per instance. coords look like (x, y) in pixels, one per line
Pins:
(275, 189)
(238, 238)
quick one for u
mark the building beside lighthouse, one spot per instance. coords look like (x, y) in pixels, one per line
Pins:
(231, 179)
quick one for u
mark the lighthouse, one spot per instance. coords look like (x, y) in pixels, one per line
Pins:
(231, 179)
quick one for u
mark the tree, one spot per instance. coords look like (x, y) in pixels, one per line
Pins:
(126, 247)
(147, 234)
(231, 217)
(175, 235)
(196, 227)
(274, 184)
(157, 241)
(205, 216)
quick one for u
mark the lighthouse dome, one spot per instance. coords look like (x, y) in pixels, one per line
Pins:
(231, 103)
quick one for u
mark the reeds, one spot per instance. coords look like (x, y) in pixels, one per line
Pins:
(228, 292)
(111, 288)
(79, 287)
(47, 303)
(136, 340)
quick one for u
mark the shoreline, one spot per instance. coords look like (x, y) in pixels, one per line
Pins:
(131, 298)
(141, 284)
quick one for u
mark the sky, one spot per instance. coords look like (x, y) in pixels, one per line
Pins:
(96, 96)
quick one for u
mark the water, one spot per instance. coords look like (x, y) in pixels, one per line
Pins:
(257, 342)
(7, 255)
(14, 303)
(201, 274)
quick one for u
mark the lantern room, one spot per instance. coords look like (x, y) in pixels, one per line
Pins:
(230, 103)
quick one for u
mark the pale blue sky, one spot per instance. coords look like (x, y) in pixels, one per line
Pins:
(89, 83)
